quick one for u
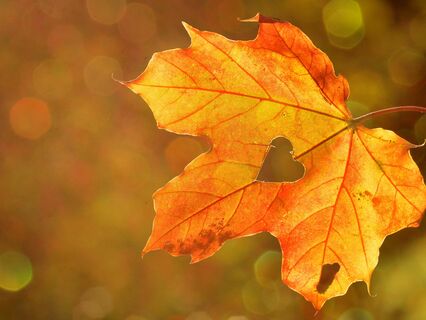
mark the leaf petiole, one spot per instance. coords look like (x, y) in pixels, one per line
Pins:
(377, 113)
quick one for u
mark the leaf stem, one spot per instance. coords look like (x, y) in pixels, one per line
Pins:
(377, 113)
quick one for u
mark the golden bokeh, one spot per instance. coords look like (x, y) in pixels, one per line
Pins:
(260, 300)
(139, 23)
(99, 74)
(267, 267)
(30, 118)
(52, 79)
(81, 157)
(95, 303)
(66, 42)
(106, 12)
(407, 66)
(358, 314)
(15, 271)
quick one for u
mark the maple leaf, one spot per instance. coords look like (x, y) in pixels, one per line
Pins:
(360, 184)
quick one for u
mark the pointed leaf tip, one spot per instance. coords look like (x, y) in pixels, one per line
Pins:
(189, 29)
(228, 91)
(260, 19)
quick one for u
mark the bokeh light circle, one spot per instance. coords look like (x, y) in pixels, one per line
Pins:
(356, 314)
(407, 66)
(344, 23)
(133, 317)
(52, 79)
(66, 42)
(199, 315)
(267, 268)
(53, 8)
(342, 18)
(96, 303)
(138, 23)
(259, 300)
(15, 271)
(30, 118)
(106, 12)
(99, 73)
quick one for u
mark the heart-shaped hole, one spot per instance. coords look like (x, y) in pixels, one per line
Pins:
(279, 165)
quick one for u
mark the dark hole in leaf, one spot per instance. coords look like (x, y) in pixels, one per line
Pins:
(279, 165)
(328, 273)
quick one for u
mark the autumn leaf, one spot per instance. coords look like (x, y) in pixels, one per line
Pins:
(360, 184)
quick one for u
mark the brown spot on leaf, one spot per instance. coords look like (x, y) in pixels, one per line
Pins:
(367, 193)
(185, 249)
(208, 236)
(328, 273)
(169, 246)
(225, 236)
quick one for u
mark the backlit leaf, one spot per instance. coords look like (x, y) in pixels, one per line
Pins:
(360, 184)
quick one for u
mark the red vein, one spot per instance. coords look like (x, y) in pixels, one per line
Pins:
(236, 115)
(240, 66)
(308, 217)
(235, 210)
(223, 162)
(179, 68)
(307, 281)
(337, 199)
(321, 142)
(265, 214)
(384, 173)
(198, 109)
(187, 230)
(301, 257)
(378, 185)
(361, 237)
(393, 210)
(284, 83)
(200, 210)
(186, 53)
(380, 139)
(189, 191)
(221, 181)
(312, 77)
(243, 95)
(319, 186)
(340, 260)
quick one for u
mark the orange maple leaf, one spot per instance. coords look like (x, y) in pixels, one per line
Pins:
(360, 184)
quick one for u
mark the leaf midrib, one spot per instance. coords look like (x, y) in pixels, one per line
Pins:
(222, 92)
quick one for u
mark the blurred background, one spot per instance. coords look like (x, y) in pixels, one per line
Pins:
(80, 157)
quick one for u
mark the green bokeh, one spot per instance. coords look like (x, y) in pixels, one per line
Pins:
(15, 271)
(78, 200)
(342, 18)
